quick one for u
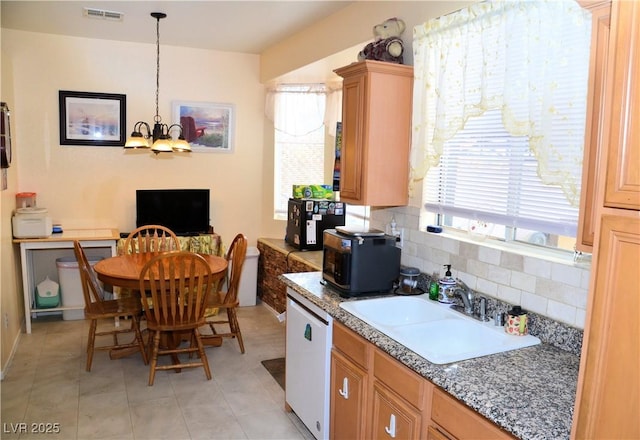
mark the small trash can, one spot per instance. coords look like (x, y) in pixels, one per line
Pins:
(248, 288)
(71, 286)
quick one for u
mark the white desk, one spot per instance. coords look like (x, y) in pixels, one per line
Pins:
(102, 239)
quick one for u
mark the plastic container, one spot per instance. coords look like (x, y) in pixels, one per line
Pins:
(248, 288)
(47, 294)
(25, 200)
(71, 286)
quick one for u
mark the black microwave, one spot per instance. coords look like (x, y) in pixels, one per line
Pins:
(360, 262)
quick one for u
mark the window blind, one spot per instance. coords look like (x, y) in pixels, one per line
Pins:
(515, 176)
(487, 174)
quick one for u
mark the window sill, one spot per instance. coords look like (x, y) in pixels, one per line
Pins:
(551, 255)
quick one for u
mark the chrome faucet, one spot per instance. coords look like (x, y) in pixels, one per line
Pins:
(466, 294)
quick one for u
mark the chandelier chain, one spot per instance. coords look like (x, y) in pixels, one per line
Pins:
(157, 117)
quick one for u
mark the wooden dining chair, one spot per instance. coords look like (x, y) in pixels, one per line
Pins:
(151, 238)
(227, 301)
(177, 285)
(97, 308)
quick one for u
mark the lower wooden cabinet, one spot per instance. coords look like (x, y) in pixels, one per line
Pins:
(373, 396)
(392, 416)
(348, 396)
(350, 359)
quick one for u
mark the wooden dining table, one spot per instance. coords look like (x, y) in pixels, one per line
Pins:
(124, 271)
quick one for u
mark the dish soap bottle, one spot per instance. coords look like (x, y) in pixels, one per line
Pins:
(447, 284)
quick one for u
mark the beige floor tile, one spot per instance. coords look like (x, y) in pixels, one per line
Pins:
(62, 413)
(158, 419)
(271, 424)
(213, 421)
(104, 415)
(47, 383)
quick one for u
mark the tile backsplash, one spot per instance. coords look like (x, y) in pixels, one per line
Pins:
(552, 286)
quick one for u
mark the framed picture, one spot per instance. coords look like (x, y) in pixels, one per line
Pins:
(97, 119)
(208, 127)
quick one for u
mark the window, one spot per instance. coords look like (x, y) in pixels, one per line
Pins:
(303, 115)
(299, 113)
(501, 120)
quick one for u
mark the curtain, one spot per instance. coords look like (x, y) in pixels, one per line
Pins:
(322, 104)
(505, 55)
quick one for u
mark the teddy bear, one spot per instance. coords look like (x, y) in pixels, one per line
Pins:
(387, 45)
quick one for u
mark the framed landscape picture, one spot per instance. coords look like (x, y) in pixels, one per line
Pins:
(97, 119)
(208, 127)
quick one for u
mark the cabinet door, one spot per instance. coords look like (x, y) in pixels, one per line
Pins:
(376, 133)
(622, 188)
(434, 434)
(594, 144)
(351, 156)
(393, 418)
(348, 394)
(609, 384)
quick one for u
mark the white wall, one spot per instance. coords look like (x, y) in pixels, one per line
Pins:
(88, 187)
(95, 186)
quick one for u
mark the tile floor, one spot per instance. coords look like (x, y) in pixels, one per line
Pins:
(47, 383)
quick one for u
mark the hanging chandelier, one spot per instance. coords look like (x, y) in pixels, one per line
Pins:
(161, 139)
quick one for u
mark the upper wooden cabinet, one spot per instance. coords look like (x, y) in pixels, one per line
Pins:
(622, 186)
(594, 145)
(376, 133)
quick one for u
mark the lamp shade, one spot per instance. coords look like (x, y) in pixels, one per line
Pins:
(181, 145)
(137, 140)
(162, 145)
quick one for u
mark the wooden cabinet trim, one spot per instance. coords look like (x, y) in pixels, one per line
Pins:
(461, 421)
(622, 188)
(405, 382)
(594, 146)
(351, 345)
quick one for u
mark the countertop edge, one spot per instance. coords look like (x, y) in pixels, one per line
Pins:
(310, 258)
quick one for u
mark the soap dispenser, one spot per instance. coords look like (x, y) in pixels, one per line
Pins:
(447, 284)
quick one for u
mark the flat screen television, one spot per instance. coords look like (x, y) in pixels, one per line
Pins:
(184, 211)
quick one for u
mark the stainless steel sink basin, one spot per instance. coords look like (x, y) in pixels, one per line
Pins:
(433, 330)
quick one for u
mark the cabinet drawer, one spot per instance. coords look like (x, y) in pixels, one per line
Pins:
(399, 378)
(461, 421)
(352, 345)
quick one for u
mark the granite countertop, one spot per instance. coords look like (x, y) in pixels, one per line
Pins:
(529, 392)
(311, 258)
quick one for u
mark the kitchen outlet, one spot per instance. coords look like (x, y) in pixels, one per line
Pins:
(6, 320)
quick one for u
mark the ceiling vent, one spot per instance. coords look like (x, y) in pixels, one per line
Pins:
(101, 13)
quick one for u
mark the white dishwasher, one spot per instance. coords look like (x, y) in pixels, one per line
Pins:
(308, 363)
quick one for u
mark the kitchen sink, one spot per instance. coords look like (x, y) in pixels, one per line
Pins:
(394, 311)
(433, 330)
